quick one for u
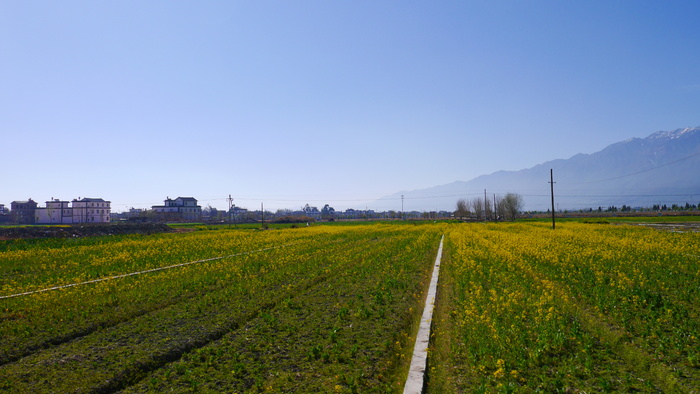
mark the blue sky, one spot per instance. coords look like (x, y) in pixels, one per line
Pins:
(339, 102)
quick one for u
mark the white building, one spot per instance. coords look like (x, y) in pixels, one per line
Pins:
(86, 210)
(182, 208)
(91, 210)
(56, 212)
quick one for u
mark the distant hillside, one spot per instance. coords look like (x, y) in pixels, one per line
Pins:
(661, 168)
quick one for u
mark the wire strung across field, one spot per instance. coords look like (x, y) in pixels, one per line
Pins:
(144, 271)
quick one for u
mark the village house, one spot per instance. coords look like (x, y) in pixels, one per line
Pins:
(55, 212)
(22, 212)
(91, 210)
(181, 208)
(85, 210)
(4, 214)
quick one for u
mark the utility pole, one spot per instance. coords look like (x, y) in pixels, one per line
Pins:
(486, 202)
(230, 202)
(551, 182)
(262, 212)
(403, 216)
(495, 213)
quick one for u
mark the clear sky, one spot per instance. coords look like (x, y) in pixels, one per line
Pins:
(339, 102)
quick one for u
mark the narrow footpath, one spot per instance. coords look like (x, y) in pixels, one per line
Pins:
(416, 375)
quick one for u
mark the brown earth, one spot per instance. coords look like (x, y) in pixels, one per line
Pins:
(85, 230)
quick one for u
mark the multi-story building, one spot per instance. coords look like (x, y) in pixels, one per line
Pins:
(22, 212)
(4, 214)
(86, 210)
(181, 208)
(56, 212)
(91, 210)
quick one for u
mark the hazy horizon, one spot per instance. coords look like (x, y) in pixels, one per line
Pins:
(288, 103)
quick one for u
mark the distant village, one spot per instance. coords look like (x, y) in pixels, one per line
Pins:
(181, 209)
(56, 211)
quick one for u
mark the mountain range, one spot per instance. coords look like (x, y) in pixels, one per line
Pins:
(663, 168)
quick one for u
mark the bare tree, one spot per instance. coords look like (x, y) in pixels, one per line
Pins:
(488, 211)
(477, 205)
(512, 205)
(462, 208)
(500, 208)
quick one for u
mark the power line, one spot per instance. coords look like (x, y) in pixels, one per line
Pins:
(643, 171)
(407, 197)
(314, 199)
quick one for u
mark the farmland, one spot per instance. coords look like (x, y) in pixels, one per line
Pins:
(587, 307)
(307, 308)
(590, 307)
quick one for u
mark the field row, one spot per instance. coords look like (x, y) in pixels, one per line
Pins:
(520, 308)
(335, 308)
(586, 307)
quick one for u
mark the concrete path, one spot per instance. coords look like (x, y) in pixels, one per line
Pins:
(416, 375)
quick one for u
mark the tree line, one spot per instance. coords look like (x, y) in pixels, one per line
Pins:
(484, 208)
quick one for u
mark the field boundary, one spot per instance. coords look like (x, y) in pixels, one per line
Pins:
(416, 374)
(142, 272)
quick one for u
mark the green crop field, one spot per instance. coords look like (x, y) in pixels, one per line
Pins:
(585, 308)
(588, 307)
(303, 309)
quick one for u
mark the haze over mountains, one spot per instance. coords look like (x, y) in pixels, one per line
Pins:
(663, 168)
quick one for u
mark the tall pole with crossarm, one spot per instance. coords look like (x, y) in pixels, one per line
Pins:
(230, 202)
(551, 182)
